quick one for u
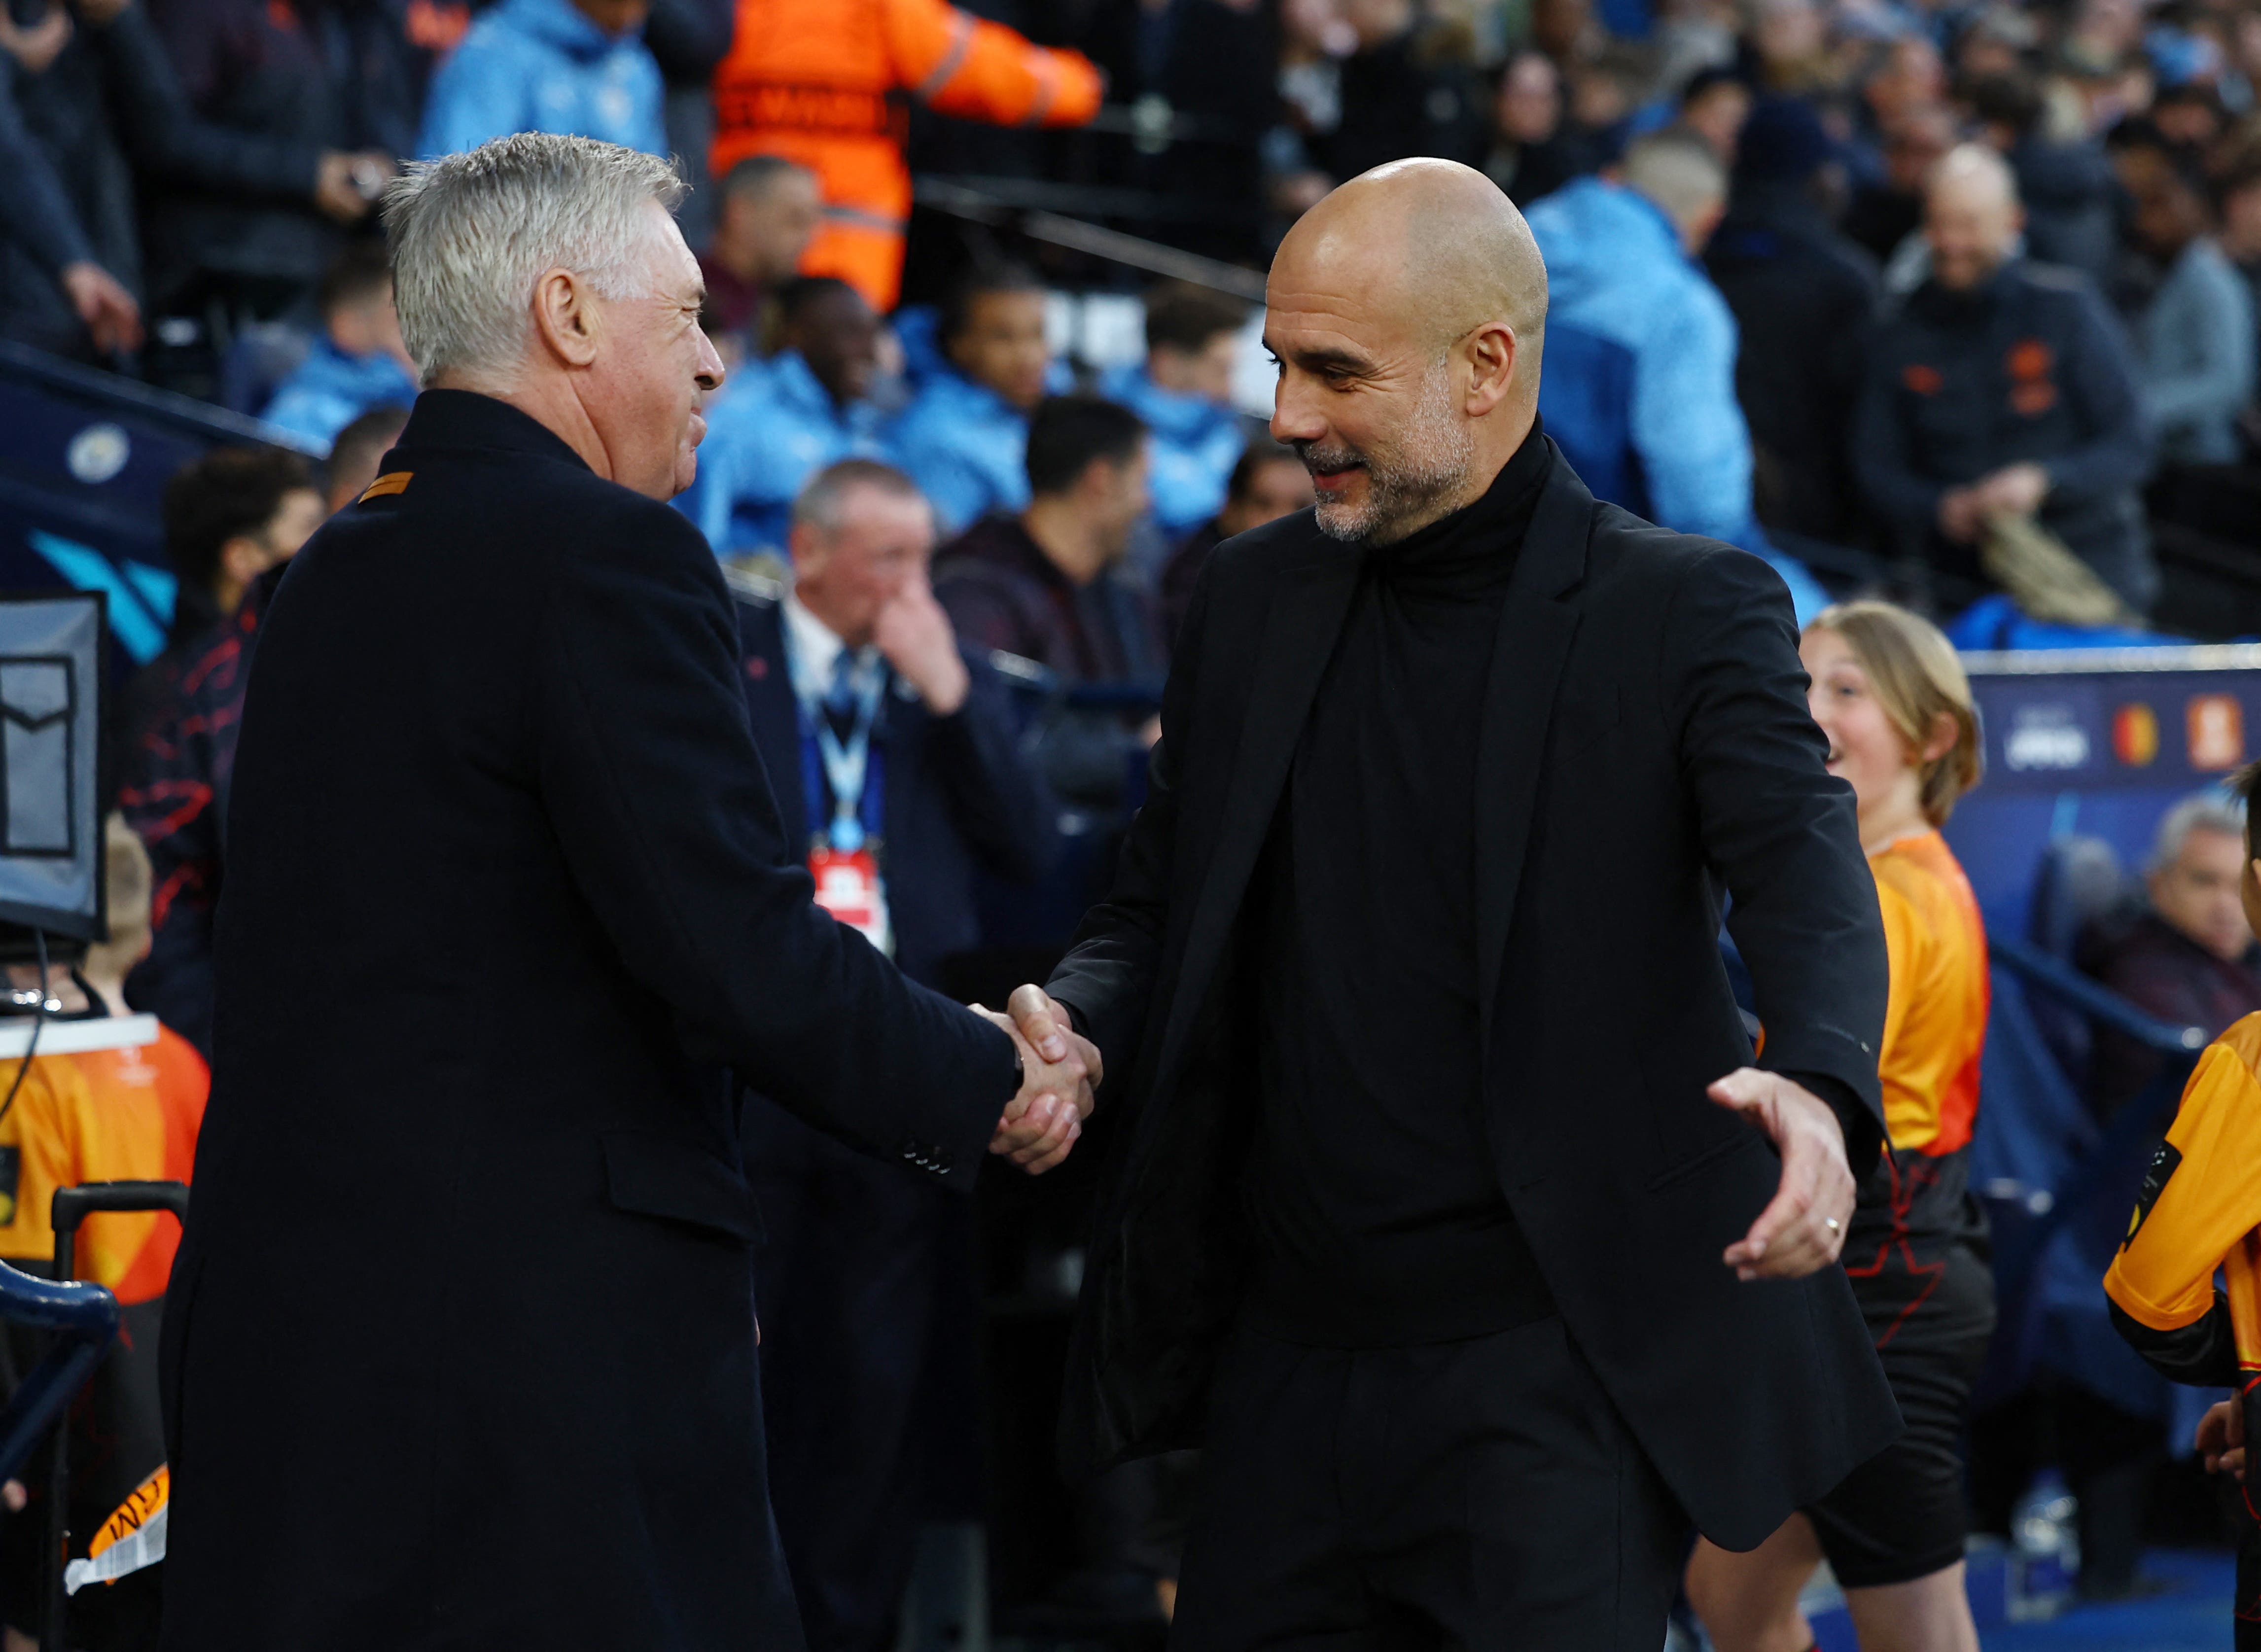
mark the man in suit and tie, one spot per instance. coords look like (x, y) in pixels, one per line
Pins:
(1435, 1210)
(897, 762)
(459, 1349)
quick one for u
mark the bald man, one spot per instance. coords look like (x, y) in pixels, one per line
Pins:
(2001, 387)
(1447, 1205)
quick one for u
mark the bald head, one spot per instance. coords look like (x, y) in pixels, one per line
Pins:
(1406, 310)
(1434, 240)
(1971, 216)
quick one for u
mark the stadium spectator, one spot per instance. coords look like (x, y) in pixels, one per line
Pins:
(355, 454)
(230, 517)
(1404, 92)
(344, 96)
(1183, 391)
(688, 40)
(1530, 156)
(2065, 187)
(358, 360)
(770, 211)
(1047, 585)
(2190, 958)
(1887, 210)
(1803, 297)
(577, 67)
(819, 81)
(804, 409)
(965, 437)
(1620, 262)
(863, 1257)
(2001, 388)
(2195, 338)
(58, 292)
(1714, 105)
(1268, 481)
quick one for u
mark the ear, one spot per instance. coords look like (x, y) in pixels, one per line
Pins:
(1944, 732)
(1491, 352)
(806, 546)
(565, 318)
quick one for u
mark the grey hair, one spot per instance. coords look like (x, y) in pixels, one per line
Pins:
(2203, 812)
(1678, 172)
(471, 234)
(820, 503)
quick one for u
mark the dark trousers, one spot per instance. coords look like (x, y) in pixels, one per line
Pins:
(1481, 1494)
(863, 1262)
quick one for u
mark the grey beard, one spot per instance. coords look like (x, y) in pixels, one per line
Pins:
(1436, 454)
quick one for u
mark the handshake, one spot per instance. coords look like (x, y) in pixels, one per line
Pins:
(1059, 1070)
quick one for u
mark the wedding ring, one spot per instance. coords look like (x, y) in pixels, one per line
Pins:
(1829, 1222)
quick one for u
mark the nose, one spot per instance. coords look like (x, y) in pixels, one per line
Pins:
(709, 371)
(1293, 418)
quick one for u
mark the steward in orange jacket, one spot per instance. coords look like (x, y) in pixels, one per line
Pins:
(823, 83)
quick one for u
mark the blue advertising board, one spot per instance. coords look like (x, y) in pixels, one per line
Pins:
(2101, 743)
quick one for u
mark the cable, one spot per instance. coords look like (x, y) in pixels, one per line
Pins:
(38, 1020)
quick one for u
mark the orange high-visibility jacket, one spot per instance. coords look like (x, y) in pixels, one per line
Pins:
(823, 83)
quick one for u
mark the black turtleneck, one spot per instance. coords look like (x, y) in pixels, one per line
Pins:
(1377, 1213)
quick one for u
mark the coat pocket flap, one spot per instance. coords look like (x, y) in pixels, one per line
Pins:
(651, 1176)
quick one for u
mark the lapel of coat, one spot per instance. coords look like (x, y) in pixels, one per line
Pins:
(770, 710)
(1300, 628)
(1535, 629)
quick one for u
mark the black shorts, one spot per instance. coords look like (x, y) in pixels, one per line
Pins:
(1902, 1515)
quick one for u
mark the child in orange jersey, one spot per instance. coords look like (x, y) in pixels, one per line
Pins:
(1889, 693)
(2199, 1211)
(125, 1115)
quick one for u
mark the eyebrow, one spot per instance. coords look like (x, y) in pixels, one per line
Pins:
(1323, 359)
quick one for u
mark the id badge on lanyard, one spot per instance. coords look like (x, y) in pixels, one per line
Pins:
(844, 857)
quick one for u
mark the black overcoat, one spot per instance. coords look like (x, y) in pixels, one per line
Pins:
(460, 1344)
(1643, 744)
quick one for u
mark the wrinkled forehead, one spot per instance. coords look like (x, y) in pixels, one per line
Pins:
(1331, 297)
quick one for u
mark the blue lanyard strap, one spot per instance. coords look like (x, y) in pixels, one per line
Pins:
(846, 764)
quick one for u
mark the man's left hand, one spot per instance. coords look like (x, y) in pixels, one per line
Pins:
(914, 633)
(1802, 1227)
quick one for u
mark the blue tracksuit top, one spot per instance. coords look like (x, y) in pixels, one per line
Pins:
(967, 447)
(331, 389)
(772, 430)
(1193, 446)
(542, 65)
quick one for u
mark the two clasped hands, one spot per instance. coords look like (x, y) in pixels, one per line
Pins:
(1801, 1230)
(1059, 1071)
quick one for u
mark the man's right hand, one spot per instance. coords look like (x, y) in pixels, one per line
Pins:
(343, 183)
(2222, 1438)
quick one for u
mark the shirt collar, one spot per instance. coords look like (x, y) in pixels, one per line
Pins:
(812, 647)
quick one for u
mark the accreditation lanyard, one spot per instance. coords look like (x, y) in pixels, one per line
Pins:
(842, 766)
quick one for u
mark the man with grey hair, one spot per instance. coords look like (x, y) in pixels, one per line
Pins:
(2191, 959)
(461, 1346)
(1624, 285)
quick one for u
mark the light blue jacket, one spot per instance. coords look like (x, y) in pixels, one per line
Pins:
(967, 447)
(331, 389)
(2196, 345)
(542, 65)
(773, 430)
(1616, 268)
(1194, 445)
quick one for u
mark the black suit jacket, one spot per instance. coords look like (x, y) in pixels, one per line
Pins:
(1644, 741)
(958, 794)
(460, 1346)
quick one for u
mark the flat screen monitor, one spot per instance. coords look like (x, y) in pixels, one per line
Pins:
(51, 657)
